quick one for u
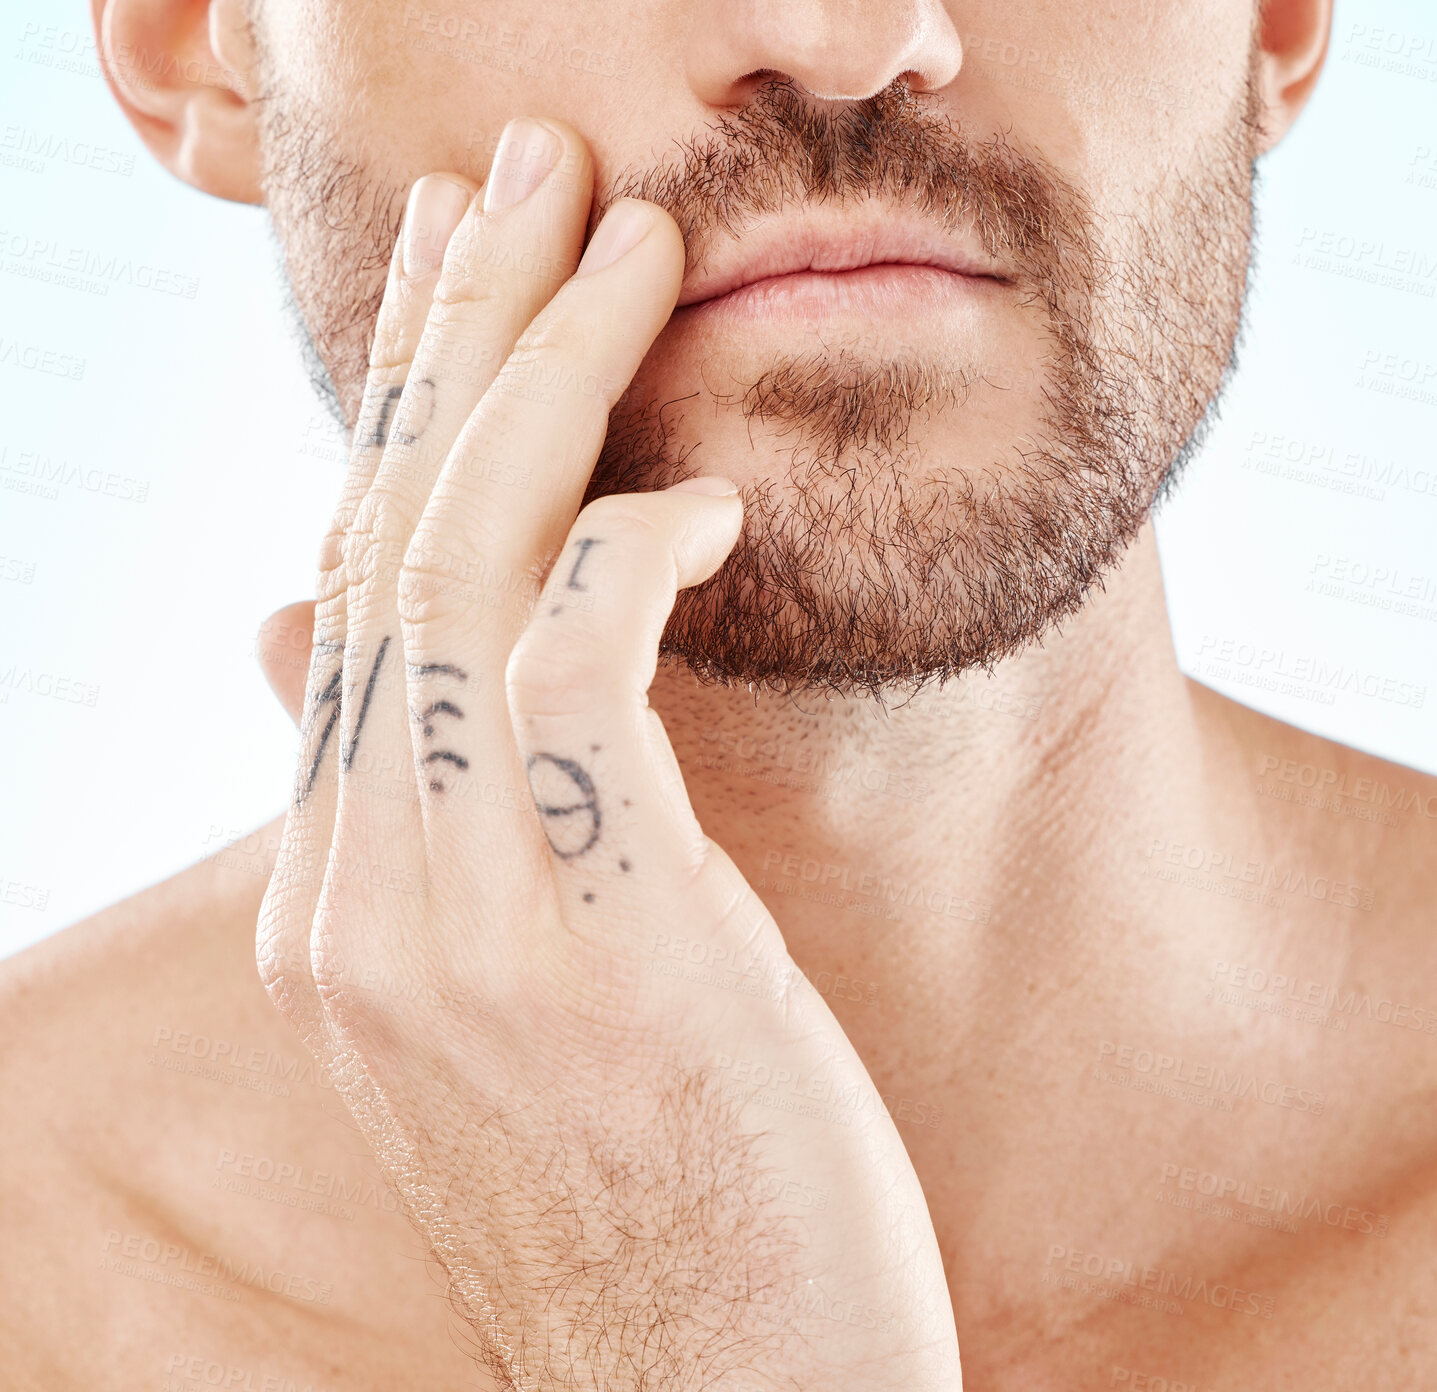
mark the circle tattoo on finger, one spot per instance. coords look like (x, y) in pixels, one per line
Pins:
(565, 798)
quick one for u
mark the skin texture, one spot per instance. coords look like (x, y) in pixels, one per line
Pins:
(606, 1194)
(1046, 919)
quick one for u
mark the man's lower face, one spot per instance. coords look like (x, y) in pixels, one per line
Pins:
(935, 467)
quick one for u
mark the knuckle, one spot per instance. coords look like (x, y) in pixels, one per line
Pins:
(282, 949)
(481, 267)
(465, 291)
(331, 558)
(544, 678)
(435, 582)
(626, 514)
(368, 1001)
(376, 539)
(559, 360)
(330, 613)
(448, 576)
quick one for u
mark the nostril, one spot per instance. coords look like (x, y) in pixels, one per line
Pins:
(763, 77)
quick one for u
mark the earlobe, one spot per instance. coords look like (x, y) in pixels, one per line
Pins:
(183, 72)
(1294, 36)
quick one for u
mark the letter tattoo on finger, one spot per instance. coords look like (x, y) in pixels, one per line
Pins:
(329, 696)
(347, 749)
(433, 711)
(418, 410)
(386, 400)
(583, 543)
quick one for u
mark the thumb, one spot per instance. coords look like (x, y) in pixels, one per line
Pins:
(283, 647)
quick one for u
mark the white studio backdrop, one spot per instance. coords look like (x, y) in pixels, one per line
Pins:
(166, 473)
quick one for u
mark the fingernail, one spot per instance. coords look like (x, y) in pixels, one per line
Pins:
(707, 483)
(435, 206)
(622, 229)
(527, 152)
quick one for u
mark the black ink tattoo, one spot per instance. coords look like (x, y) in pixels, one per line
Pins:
(584, 543)
(379, 436)
(439, 708)
(421, 398)
(329, 696)
(436, 708)
(447, 756)
(571, 827)
(589, 897)
(346, 752)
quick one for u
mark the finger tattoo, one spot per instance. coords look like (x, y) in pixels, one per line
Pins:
(347, 750)
(566, 800)
(427, 717)
(583, 543)
(388, 400)
(330, 696)
(420, 408)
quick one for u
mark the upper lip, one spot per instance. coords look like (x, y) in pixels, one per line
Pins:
(828, 239)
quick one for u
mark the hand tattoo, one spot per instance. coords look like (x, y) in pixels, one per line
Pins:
(442, 707)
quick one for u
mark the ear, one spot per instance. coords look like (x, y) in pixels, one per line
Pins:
(183, 72)
(1293, 36)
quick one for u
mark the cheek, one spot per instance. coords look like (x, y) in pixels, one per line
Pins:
(418, 86)
(1115, 94)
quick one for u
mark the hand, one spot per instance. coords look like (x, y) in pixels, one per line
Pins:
(633, 1180)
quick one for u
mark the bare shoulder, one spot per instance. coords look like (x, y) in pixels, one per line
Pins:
(192, 933)
(1333, 807)
(188, 1183)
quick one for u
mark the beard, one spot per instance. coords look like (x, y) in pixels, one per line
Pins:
(871, 559)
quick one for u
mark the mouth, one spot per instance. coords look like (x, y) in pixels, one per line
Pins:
(875, 261)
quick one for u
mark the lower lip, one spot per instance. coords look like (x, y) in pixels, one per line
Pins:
(889, 289)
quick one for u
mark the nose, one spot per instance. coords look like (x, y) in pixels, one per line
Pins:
(838, 50)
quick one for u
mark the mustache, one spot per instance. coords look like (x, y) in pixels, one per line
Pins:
(785, 148)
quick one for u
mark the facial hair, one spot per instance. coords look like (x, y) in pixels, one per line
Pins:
(867, 566)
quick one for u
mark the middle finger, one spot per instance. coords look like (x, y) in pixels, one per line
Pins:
(509, 255)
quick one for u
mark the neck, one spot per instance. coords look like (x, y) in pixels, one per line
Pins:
(993, 804)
